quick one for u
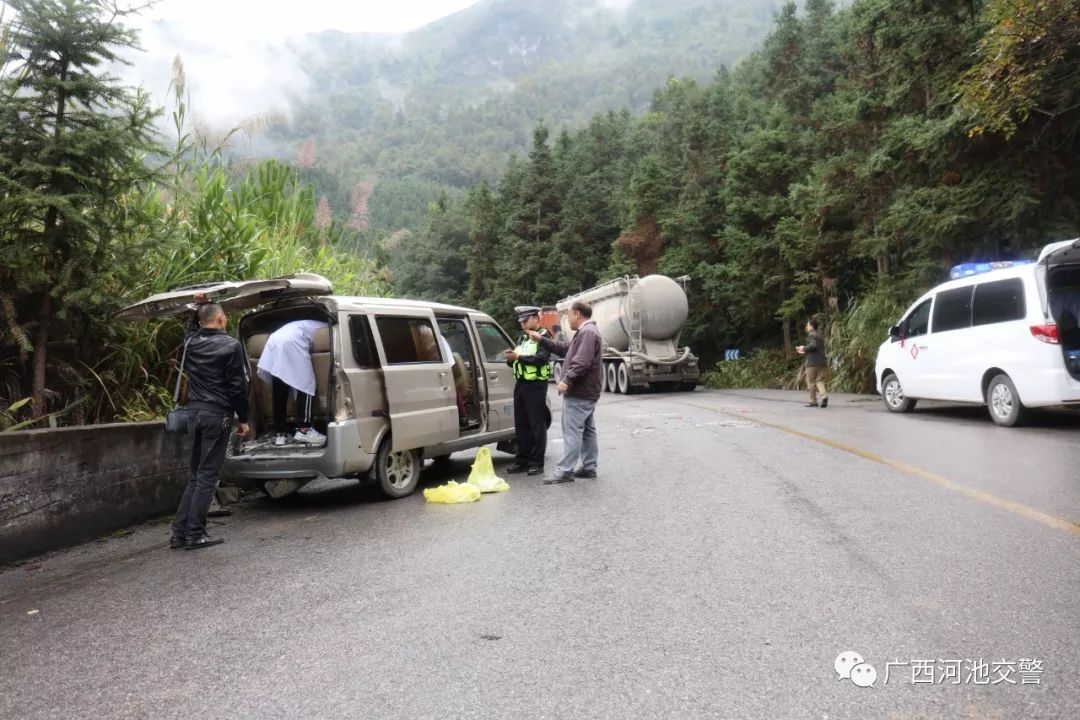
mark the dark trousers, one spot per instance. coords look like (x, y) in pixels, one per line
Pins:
(530, 421)
(210, 435)
(280, 402)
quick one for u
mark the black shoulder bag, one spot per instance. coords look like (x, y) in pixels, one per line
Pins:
(177, 419)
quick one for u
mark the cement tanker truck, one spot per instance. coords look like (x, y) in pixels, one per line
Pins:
(640, 320)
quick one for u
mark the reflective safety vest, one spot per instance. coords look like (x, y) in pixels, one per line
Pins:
(527, 346)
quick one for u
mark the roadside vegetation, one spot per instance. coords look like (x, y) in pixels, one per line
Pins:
(836, 172)
(96, 211)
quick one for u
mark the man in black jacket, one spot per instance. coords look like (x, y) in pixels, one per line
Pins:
(817, 364)
(217, 388)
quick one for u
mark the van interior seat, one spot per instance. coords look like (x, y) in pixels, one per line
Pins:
(320, 361)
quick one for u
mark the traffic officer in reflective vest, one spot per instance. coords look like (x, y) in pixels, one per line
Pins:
(531, 370)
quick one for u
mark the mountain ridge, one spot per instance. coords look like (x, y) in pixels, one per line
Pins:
(443, 107)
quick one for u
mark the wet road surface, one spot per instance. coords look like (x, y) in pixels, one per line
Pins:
(733, 546)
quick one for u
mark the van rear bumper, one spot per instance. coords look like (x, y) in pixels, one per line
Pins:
(1049, 387)
(341, 457)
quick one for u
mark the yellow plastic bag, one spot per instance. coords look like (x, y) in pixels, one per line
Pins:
(483, 474)
(452, 492)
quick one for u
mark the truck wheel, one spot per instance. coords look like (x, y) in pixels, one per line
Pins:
(892, 394)
(623, 380)
(397, 473)
(611, 372)
(1003, 401)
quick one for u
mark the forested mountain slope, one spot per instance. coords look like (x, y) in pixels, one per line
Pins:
(391, 122)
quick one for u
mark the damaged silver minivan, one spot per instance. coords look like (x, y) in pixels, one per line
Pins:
(387, 395)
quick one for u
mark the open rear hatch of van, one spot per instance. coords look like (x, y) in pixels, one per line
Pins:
(1061, 262)
(232, 296)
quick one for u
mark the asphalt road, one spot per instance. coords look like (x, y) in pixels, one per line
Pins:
(733, 546)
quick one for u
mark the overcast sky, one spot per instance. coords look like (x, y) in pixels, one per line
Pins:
(234, 52)
(277, 19)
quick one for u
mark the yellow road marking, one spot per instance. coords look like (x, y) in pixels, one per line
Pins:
(1011, 506)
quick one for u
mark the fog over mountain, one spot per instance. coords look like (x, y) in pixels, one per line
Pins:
(406, 116)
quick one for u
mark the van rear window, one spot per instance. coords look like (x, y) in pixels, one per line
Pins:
(952, 310)
(999, 301)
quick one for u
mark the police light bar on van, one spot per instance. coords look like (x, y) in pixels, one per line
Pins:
(968, 269)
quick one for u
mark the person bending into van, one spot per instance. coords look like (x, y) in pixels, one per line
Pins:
(581, 386)
(285, 364)
(816, 364)
(532, 369)
(217, 388)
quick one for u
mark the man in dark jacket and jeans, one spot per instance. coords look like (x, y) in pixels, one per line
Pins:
(217, 388)
(816, 364)
(581, 385)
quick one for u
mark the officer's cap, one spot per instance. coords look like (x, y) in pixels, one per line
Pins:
(524, 312)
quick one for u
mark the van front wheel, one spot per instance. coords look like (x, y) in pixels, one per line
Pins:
(892, 394)
(397, 472)
(1003, 401)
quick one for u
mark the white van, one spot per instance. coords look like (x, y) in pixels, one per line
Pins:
(387, 394)
(1006, 338)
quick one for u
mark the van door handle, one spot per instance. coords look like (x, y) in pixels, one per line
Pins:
(442, 380)
(493, 374)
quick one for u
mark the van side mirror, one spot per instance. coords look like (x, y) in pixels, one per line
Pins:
(894, 332)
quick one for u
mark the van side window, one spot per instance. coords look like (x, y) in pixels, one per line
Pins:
(494, 341)
(363, 344)
(917, 322)
(952, 310)
(408, 340)
(999, 301)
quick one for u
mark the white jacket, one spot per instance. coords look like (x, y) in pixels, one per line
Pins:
(287, 355)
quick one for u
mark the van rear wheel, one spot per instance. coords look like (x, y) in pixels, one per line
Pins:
(892, 394)
(1003, 401)
(397, 472)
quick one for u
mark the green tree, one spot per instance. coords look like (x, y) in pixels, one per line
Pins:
(1029, 64)
(484, 224)
(433, 264)
(73, 142)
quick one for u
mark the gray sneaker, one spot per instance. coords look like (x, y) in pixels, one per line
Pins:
(311, 437)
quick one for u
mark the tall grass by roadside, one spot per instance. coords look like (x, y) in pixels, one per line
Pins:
(768, 368)
(201, 221)
(852, 340)
(854, 336)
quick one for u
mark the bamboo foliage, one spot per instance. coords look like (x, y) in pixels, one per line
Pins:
(188, 217)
